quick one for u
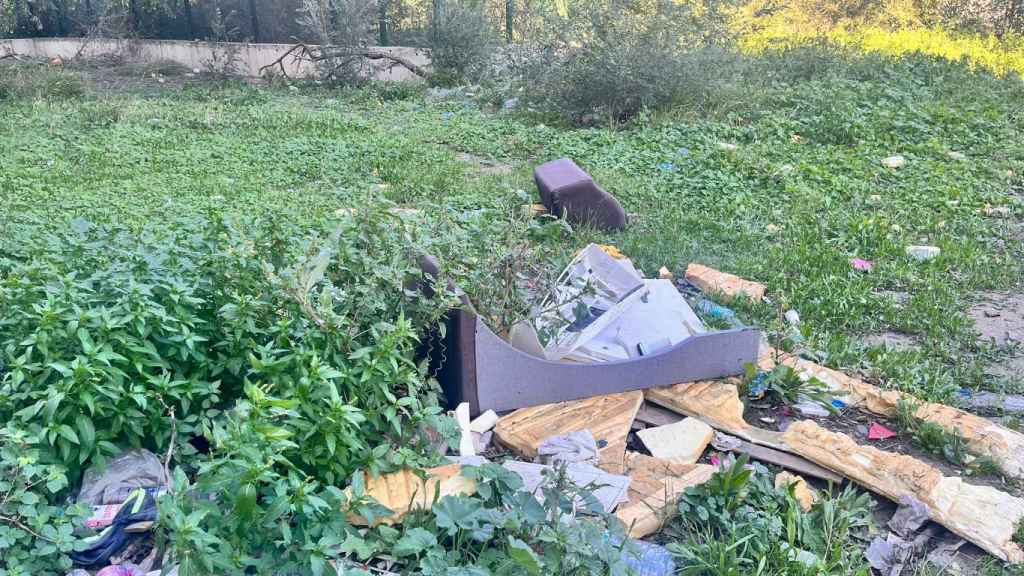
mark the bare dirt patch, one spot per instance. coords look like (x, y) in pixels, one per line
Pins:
(891, 341)
(484, 165)
(999, 318)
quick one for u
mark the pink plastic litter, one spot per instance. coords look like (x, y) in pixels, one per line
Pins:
(121, 570)
(861, 264)
(879, 432)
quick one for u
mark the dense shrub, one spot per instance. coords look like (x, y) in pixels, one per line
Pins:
(462, 43)
(218, 330)
(38, 82)
(610, 59)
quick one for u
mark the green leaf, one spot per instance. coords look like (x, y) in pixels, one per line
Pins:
(69, 434)
(86, 431)
(414, 542)
(523, 555)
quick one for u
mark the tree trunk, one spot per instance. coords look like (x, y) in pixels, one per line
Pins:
(187, 5)
(382, 22)
(133, 16)
(510, 12)
(255, 21)
(435, 24)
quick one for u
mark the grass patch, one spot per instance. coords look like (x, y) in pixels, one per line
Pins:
(801, 194)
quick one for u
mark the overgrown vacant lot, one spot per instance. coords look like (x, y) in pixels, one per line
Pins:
(802, 192)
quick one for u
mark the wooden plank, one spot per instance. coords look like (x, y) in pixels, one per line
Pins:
(656, 486)
(406, 490)
(656, 415)
(718, 404)
(607, 417)
(982, 515)
(785, 460)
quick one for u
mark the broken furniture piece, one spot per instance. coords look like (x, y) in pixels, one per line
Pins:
(479, 367)
(569, 192)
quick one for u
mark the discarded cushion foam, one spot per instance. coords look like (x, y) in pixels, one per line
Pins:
(569, 192)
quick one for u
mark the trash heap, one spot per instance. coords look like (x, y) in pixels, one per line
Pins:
(604, 310)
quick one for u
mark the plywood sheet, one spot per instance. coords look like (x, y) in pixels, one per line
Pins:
(982, 515)
(607, 417)
(407, 490)
(654, 490)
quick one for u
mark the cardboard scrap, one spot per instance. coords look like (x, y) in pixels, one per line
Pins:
(607, 417)
(980, 514)
(683, 441)
(656, 486)
(404, 490)
(805, 495)
(982, 436)
(728, 286)
(608, 489)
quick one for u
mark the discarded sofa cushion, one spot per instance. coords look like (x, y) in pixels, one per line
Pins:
(569, 192)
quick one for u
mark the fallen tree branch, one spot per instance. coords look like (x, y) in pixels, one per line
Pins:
(303, 52)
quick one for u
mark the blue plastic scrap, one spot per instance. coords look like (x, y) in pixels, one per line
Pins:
(758, 386)
(650, 559)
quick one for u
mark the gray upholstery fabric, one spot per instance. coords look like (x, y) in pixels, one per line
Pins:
(569, 192)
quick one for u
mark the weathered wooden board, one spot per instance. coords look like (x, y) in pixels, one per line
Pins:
(656, 486)
(982, 515)
(407, 490)
(607, 417)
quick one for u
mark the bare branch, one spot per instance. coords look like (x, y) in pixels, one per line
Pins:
(301, 52)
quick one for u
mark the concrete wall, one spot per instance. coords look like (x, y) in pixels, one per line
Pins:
(249, 58)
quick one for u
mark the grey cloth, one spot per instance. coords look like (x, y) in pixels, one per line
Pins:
(133, 469)
(608, 489)
(891, 555)
(574, 447)
(911, 515)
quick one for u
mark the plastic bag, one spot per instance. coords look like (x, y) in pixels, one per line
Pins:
(131, 470)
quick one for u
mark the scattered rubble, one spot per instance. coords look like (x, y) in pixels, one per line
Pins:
(895, 161)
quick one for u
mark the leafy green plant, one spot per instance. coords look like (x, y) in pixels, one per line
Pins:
(738, 522)
(784, 386)
(35, 536)
(933, 438)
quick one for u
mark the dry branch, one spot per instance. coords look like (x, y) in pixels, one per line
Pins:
(345, 54)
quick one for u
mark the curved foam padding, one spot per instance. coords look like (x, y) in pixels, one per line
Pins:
(569, 192)
(486, 371)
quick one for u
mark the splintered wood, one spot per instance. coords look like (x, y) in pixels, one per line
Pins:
(981, 514)
(405, 490)
(715, 402)
(607, 417)
(655, 487)
(982, 436)
(722, 284)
